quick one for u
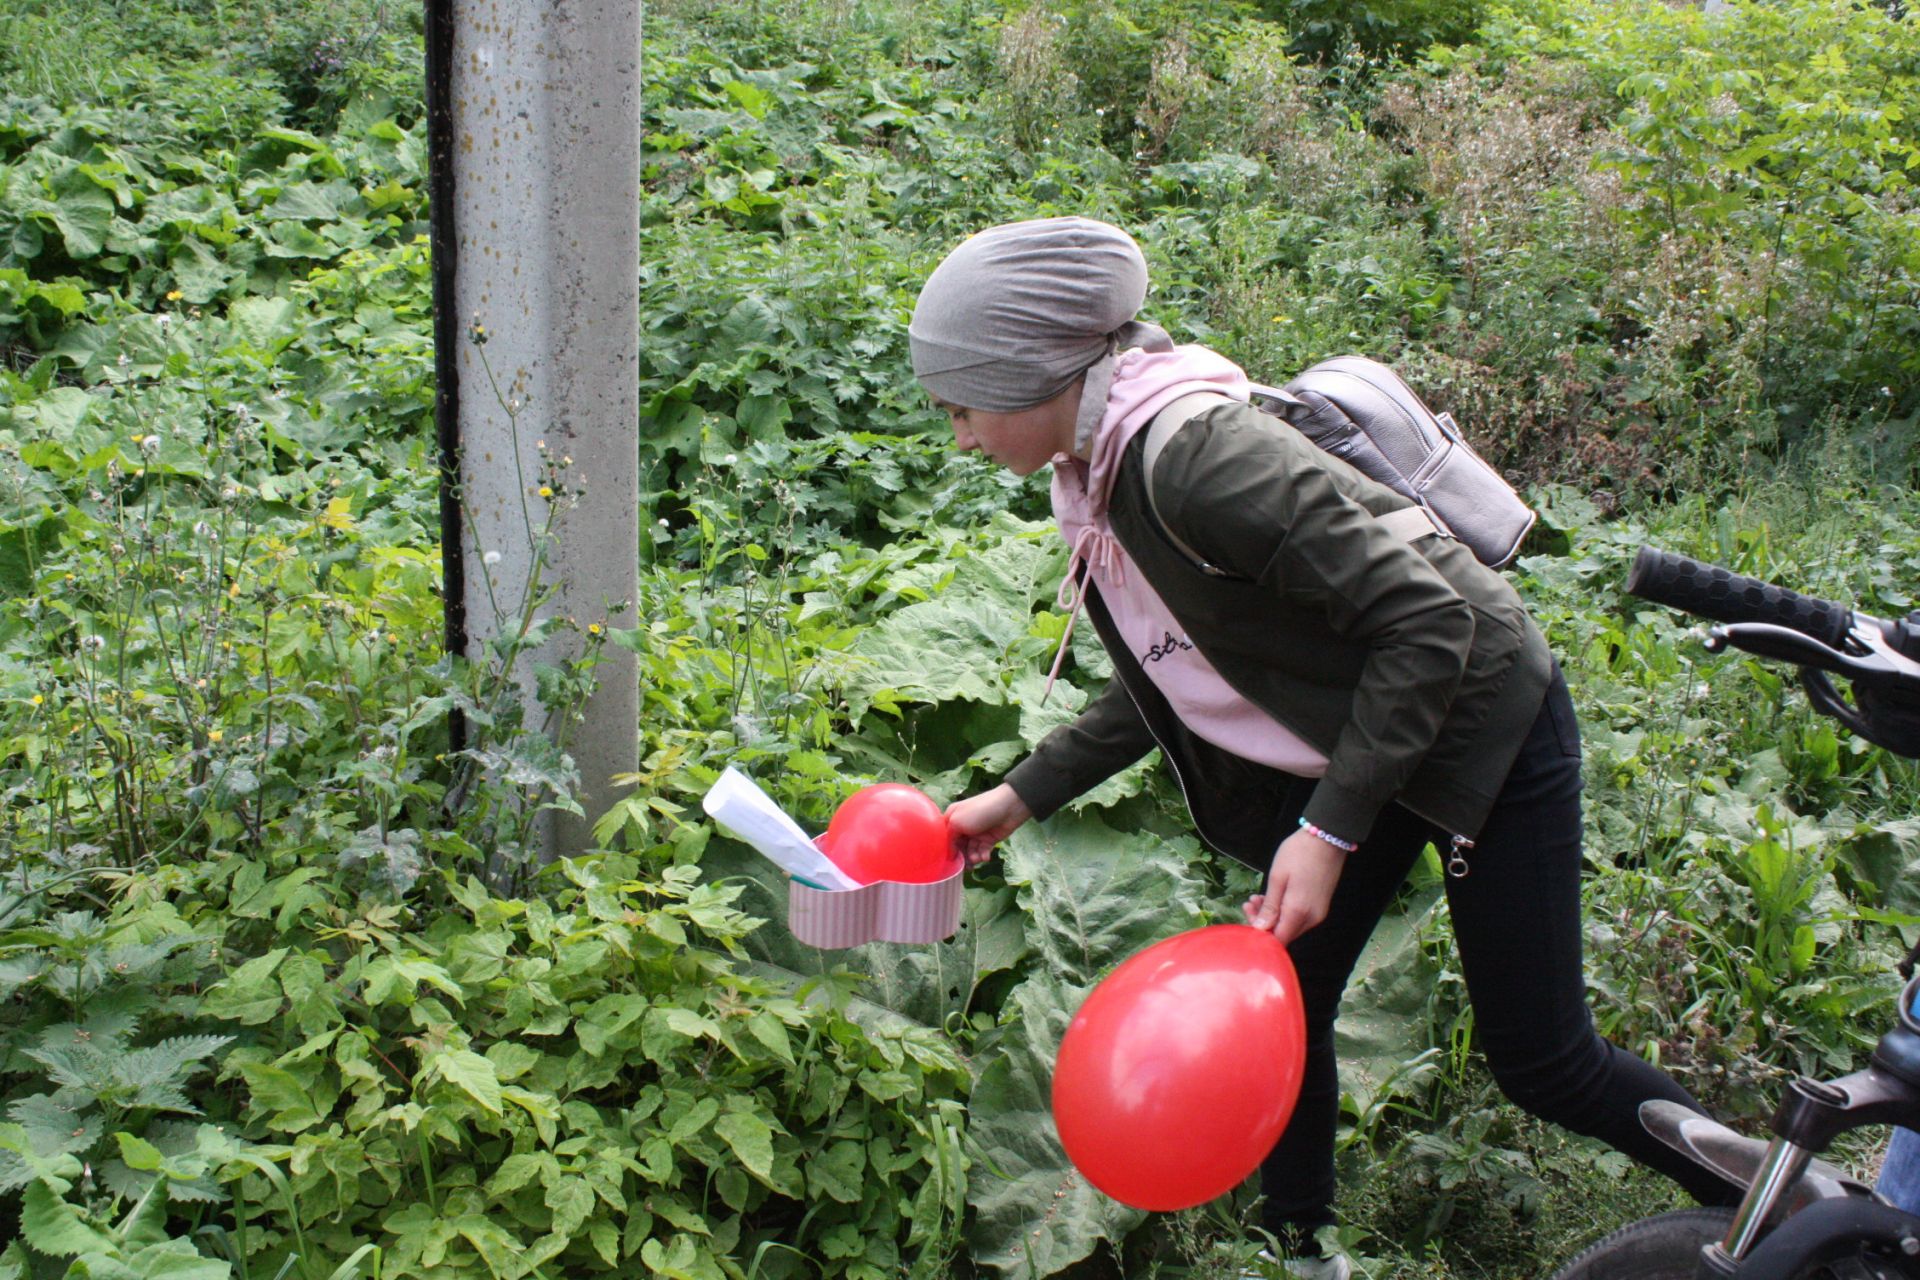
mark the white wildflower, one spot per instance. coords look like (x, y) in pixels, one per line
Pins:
(490, 559)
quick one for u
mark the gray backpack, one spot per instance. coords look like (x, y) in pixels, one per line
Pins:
(1360, 411)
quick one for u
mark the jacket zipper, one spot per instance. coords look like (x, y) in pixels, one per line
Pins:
(1172, 764)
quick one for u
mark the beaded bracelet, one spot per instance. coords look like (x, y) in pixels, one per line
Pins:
(1345, 846)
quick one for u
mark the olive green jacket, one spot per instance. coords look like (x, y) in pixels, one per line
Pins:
(1413, 667)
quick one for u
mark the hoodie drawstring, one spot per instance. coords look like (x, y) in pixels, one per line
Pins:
(1093, 548)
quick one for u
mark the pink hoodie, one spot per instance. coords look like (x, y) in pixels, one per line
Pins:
(1143, 384)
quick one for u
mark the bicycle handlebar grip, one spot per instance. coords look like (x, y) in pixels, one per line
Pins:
(1710, 591)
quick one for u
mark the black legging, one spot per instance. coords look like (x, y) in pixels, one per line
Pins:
(1516, 917)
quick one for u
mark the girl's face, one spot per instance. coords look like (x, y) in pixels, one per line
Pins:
(1023, 441)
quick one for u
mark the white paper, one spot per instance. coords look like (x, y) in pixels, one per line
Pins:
(735, 802)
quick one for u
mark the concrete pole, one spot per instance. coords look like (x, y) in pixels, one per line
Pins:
(545, 138)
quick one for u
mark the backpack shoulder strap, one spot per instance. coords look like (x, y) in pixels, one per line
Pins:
(1408, 523)
(1165, 423)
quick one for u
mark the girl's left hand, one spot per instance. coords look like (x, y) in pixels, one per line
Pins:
(1299, 887)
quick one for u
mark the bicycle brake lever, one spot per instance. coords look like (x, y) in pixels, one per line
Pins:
(1869, 656)
(1784, 644)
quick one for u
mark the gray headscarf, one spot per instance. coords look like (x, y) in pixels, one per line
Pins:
(1015, 314)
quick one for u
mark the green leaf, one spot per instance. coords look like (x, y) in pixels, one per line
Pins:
(199, 272)
(249, 995)
(173, 1260)
(265, 324)
(279, 1091)
(312, 201)
(496, 1247)
(1034, 1213)
(572, 1201)
(53, 1226)
(751, 323)
(1387, 1012)
(971, 640)
(837, 1172)
(472, 1073)
(82, 212)
(138, 1152)
(693, 1121)
(606, 1240)
(751, 1140)
(1096, 896)
(764, 417)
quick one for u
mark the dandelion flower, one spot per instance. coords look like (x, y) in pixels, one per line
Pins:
(546, 491)
(215, 735)
(36, 699)
(593, 628)
(174, 295)
(149, 444)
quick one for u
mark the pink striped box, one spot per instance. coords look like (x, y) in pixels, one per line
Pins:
(885, 911)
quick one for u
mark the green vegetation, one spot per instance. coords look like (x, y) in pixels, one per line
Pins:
(286, 994)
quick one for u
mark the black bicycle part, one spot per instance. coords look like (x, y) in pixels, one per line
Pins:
(1664, 1247)
(1815, 1112)
(1832, 1230)
(1693, 586)
(1877, 657)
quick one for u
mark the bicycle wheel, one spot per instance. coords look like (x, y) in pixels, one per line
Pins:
(1663, 1248)
(1668, 1248)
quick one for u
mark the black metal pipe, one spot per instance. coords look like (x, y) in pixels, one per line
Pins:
(443, 246)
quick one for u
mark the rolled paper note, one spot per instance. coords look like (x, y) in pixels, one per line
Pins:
(744, 809)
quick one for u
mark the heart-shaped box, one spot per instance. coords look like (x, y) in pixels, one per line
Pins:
(884, 911)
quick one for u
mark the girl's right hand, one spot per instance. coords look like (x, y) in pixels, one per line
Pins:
(978, 823)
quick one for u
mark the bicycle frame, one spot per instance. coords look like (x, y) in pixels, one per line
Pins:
(1799, 1212)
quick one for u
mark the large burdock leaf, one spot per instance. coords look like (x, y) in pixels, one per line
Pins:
(1096, 896)
(1887, 854)
(1093, 897)
(1386, 1018)
(974, 638)
(1034, 1214)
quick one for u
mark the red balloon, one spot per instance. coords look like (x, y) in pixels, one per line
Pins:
(1181, 1069)
(891, 831)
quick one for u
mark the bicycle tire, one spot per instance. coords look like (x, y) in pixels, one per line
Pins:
(1666, 1247)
